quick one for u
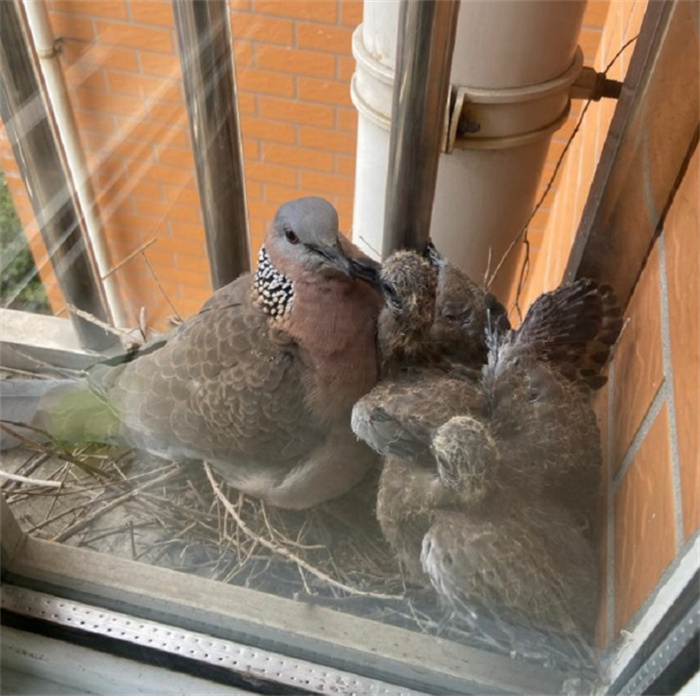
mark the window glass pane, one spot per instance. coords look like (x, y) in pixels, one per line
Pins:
(126, 97)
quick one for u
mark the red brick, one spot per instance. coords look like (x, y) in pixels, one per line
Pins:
(135, 36)
(683, 279)
(271, 173)
(139, 223)
(323, 38)
(114, 9)
(316, 11)
(243, 52)
(157, 254)
(345, 165)
(144, 189)
(596, 13)
(97, 56)
(347, 120)
(283, 110)
(89, 79)
(638, 358)
(325, 184)
(129, 149)
(247, 104)
(290, 60)
(327, 140)
(263, 211)
(163, 133)
(161, 174)
(153, 12)
(186, 239)
(266, 82)
(183, 195)
(253, 190)
(280, 194)
(176, 157)
(263, 29)
(168, 112)
(145, 87)
(344, 206)
(346, 68)
(94, 121)
(351, 12)
(193, 263)
(589, 40)
(644, 523)
(160, 63)
(72, 27)
(298, 157)
(269, 131)
(251, 150)
(324, 91)
(108, 103)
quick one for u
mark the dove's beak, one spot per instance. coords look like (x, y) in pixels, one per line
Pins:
(366, 269)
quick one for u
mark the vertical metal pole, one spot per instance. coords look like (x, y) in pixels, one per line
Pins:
(41, 159)
(421, 88)
(206, 57)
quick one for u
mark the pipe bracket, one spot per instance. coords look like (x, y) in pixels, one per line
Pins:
(480, 118)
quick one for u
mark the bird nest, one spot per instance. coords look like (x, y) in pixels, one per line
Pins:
(183, 517)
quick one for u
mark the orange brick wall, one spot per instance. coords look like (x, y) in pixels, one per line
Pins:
(120, 59)
(552, 235)
(650, 409)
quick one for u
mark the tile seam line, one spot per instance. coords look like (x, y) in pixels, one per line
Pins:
(668, 370)
(666, 351)
(648, 421)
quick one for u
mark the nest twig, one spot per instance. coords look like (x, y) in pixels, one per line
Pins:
(181, 517)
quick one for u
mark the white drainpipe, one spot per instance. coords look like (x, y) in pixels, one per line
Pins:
(374, 49)
(517, 61)
(54, 79)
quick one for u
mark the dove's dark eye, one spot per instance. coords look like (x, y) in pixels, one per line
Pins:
(291, 235)
(388, 290)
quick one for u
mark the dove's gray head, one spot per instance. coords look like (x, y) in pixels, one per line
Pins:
(303, 239)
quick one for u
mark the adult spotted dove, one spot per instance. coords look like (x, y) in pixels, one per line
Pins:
(488, 483)
(260, 383)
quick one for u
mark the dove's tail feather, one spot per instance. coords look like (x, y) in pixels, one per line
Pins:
(574, 327)
(64, 409)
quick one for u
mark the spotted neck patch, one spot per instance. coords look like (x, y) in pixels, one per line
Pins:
(273, 291)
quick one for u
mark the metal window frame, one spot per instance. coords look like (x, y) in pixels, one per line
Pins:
(326, 637)
(296, 629)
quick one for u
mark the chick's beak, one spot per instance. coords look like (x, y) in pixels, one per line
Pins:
(366, 269)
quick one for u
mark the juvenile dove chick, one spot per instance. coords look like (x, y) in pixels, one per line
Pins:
(409, 486)
(486, 457)
(463, 313)
(260, 383)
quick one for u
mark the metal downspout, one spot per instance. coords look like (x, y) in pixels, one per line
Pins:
(62, 111)
(42, 162)
(421, 89)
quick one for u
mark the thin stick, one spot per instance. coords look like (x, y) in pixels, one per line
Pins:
(73, 529)
(98, 322)
(32, 481)
(160, 287)
(130, 256)
(281, 551)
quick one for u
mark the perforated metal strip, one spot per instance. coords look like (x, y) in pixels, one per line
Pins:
(664, 655)
(241, 659)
